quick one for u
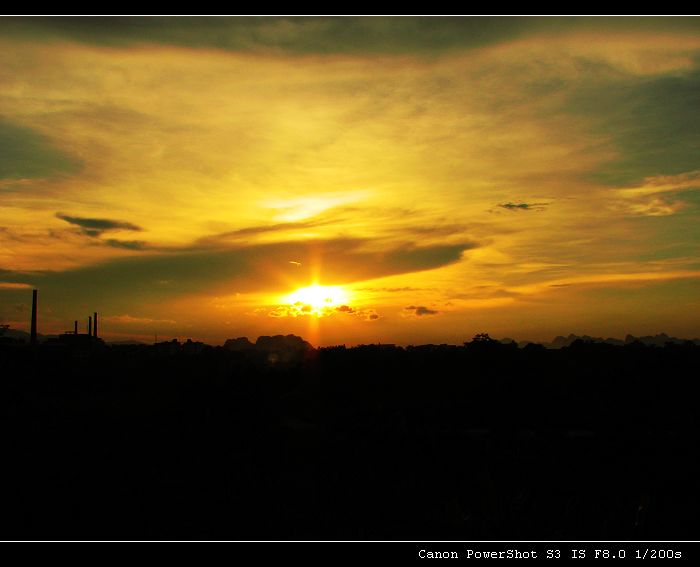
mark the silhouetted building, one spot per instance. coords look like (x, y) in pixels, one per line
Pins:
(75, 339)
(34, 306)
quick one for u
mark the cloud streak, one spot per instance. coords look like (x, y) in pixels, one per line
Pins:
(524, 206)
(95, 227)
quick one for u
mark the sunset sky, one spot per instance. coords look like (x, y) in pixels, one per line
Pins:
(431, 177)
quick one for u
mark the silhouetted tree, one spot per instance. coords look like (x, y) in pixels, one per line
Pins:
(482, 338)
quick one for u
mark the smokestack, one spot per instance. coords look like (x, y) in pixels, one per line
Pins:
(89, 325)
(33, 335)
(75, 328)
(94, 325)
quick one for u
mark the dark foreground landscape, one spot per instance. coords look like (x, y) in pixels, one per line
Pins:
(485, 441)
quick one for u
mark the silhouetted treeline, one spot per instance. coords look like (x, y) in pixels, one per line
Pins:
(485, 441)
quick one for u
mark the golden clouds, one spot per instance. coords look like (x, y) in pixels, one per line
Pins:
(473, 180)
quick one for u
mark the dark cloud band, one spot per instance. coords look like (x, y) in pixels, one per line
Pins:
(255, 268)
(323, 34)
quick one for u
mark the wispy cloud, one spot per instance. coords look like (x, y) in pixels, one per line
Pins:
(14, 285)
(127, 319)
(280, 230)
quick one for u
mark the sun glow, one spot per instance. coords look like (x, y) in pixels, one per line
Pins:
(317, 299)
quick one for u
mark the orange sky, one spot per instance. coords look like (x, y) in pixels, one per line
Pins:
(534, 179)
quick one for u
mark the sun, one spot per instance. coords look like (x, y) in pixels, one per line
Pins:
(317, 299)
(319, 296)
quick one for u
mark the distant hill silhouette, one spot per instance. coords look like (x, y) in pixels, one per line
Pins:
(23, 336)
(656, 340)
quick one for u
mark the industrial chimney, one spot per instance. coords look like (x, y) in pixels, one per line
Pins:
(94, 324)
(89, 325)
(33, 332)
(75, 328)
